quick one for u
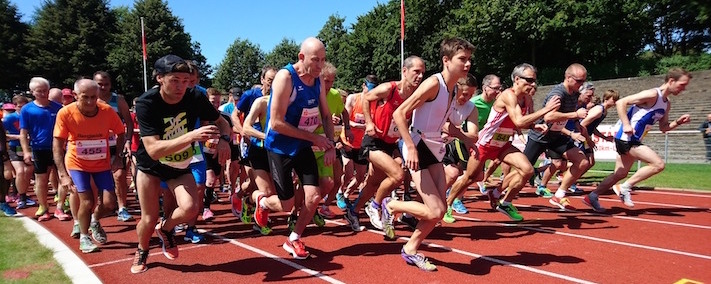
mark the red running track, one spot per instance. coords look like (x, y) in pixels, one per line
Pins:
(664, 239)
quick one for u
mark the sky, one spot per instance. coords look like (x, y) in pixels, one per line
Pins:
(216, 24)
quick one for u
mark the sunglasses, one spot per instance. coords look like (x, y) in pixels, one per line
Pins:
(528, 79)
(579, 81)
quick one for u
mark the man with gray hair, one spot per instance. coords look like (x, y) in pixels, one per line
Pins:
(561, 146)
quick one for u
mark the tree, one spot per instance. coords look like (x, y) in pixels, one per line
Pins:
(682, 27)
(12, 37)
(335, 37)
(240, 67)
(285, 52)
(165, 34)
(69, 39)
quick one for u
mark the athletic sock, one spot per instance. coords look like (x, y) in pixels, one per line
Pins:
(376, 205)
(560, 193)
(505, 203)
(263, 203)
(626, 187)
(293, 236)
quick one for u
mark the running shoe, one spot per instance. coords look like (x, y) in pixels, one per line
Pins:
(214, 199)
(167, 240)
(261, 215)
(97, 232)
(374, 215)
(408, 220)
(193, 236)
(247, 211)
(341, 201)
(562, 203)
(624, 194)
(592, 202)
(448, 218)
(574, 190)
(510, 211)
(139, 261)
(296, 249)
(493, 201)
(262, 230)
(123, 215)
(387, 220)
(326, 212)
(207, 214)
(10, 198)
(459, 207)
(30, 202)
(544, 192)
(22, 204)
(7, 210)
(180, 228)
(482, 187)
(59, 214)
(318, 220)
(44, 217)
(65, 207)
(418, 260)
(86, 245)
(40, 211)
(291, 222)
(352, 218)
(236, 205)
(538, 179)
(75, 231)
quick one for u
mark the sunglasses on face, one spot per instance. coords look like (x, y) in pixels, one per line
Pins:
(529, 79)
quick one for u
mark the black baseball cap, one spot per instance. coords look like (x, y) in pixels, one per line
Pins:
(167, 64)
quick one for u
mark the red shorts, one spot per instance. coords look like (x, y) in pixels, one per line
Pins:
(491, 153)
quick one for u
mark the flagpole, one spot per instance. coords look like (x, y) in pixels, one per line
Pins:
(145, 57)
(402, 33)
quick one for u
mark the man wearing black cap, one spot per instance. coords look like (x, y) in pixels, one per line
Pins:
(166, 118)
(229, 106)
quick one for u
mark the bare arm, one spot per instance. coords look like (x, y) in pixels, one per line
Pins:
(665, 125)
(58, 146)
(158, 148)
(258, 107)
(510, 103)
(378, 93)
(236, 124)
(25, 142)
(426, 91)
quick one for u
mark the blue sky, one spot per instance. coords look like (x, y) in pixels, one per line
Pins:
(217, 23)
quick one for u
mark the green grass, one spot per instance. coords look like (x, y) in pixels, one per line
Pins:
(687, 176)
(23, 259)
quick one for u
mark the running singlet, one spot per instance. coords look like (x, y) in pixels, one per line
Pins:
(458, 114)
(87, 137)
(170, 121)
(302, 112)
(595, 123)
(382, 112)
(336, 106)
(357, 116)
(497, 131)
(642, 119)
(428, 119)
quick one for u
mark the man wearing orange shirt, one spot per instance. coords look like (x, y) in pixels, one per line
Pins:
(84, 127)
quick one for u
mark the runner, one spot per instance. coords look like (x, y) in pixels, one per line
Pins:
(84, 129)
(6, 166)
(214, 168)
(23, 171)
(296, 108)
(118, 152)
(646, 108)
(36, 126)
(380, 141)
(167, 116)
(423, 147)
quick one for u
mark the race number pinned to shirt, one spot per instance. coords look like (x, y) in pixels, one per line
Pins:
(91, 150)
(359, 118)
(310, 119)
(180, 159)
(436, 144)
(211, 146)
(501, 137)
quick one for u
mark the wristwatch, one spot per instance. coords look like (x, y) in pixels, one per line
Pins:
(226, 138)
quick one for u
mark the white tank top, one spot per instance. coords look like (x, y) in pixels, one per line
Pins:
(428, 119)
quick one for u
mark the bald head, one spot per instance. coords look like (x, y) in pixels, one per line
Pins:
(312, 56)
(55, 95)
(311, 45)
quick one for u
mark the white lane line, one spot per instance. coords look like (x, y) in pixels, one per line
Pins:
(75, 268)
(619, 217)
(129, 259)
(649, 203)
(550, 231)
(491, 259)
(297, 266)
(679, 193)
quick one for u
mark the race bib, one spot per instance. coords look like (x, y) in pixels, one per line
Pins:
(211, 146)
(359, 118)
(558, 125)
(392, 130)
(310, 119)
(197, 153)
(91, 150)
(501, 137)
(180, 159)
(436, 144)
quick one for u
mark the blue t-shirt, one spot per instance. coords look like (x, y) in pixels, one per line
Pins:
(228, 108)
(39, 123)
(11, 122)
(302, 112)
(247, 99)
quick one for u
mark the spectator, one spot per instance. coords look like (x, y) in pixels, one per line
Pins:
(705, 129)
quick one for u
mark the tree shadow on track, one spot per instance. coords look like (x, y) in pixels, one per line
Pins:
(483, 265)
(485, 232)
(257, 265)
(368, 249)
(657, 211)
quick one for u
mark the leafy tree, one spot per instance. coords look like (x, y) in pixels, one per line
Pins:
(240, 67)
(165, 34)
(680, 26)
(12, 36)
(335, 37)
(285, 52)
(69, 39)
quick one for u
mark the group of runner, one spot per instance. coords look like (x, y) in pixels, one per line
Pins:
(298, 146)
